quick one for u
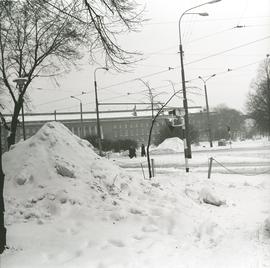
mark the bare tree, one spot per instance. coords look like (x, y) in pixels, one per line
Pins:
(42, 36)
(258, 103)
(151, 95)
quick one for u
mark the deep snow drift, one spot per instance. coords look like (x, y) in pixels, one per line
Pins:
(170, 145)
(55, 169)
(67, 207)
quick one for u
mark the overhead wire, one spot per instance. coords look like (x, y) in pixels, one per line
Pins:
(210, 35)
(169, 68)
(227, 50)
(206, 20)
(228, 70)
(201, 38)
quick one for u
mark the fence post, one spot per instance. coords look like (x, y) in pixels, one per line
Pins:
(153, 167)
(142, 171)
(210, 167)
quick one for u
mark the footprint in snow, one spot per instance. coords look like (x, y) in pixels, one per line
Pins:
(150, 228)
(116, 243)
(139, 237)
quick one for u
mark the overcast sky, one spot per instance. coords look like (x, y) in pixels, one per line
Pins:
(211, 44)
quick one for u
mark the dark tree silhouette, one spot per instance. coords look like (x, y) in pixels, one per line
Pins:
(38, 37)
(258, 102)
(224, 118)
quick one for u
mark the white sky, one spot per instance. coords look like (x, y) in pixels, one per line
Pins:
(159, 41)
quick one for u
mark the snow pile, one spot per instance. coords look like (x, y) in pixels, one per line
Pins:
(170, 145)
(67, 207)
(208, 197)
(55, 168)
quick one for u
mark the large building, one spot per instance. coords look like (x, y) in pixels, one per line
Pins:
(132, 127)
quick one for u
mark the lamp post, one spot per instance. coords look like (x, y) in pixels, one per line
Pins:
(185, 104)
(207, 108)
(81, 114)
(97, 110)
(20, 83)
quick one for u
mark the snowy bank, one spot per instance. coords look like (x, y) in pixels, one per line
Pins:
(67, 207)
(54, 169)
(168, 146)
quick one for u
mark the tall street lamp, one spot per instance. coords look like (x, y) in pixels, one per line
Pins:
(81, 113)
(207, 108)
(97, 110)
(20, 83)
(268, 90)
(185, 104)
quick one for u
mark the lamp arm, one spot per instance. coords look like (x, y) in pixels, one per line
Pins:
(184, 14)
(99, 68)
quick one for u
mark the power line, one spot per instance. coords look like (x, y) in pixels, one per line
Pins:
(201, 38)
(227, 50)
(209, 35)
(206, 20)
(112, 98)
(228, 70)
(169, 68)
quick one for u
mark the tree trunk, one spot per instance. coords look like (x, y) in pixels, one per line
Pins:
(3, 230)
(14, 122)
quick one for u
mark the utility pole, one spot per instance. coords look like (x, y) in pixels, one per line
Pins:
(97, 109)
(207, 109)
(268, 91)
(185, 103)
(98, 123)
(81, 114)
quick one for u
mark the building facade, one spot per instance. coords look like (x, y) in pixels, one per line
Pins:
(118, 128)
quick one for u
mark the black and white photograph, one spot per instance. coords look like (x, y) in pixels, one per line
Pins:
(134, 134)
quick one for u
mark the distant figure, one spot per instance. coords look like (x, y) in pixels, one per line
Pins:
(142, 150)
(132, 152)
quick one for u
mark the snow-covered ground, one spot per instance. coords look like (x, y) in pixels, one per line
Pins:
(67, 207)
